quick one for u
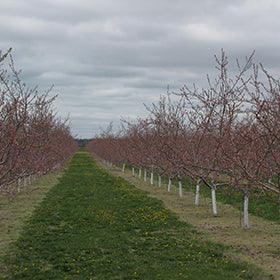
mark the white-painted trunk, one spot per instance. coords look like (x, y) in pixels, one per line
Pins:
(169, 184)
(145, 174)
(197, 192)
(140, 173)
(111, 164)
(152, 175)
(279, 205)
(30, 179)
(19, 185)
(24, 182)
(159, 181)
(214, 202)
(133, 172)
(123, 167)
(180, 189)
(246, 215)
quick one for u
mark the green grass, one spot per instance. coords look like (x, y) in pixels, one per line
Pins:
(259, 203)
(92, 225)
(14, 210)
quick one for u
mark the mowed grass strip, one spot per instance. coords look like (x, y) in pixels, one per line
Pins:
(92, 225)
(14, 210)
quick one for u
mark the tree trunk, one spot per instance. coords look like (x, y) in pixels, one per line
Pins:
(30, 179)
(152, 178)
(123, 167)
(159, 181)
(214, 203)
(140, 173)
(133, 172)
(180, 188)
(246, 214)
(279, 205)
(169, 184)
(19, 184)
(24, 182)
(145, 174)
(197, 192)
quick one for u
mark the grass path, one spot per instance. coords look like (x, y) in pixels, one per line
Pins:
(260, 245)
(92, 225)
(13, 211)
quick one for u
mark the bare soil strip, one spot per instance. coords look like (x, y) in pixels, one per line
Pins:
(259, 245)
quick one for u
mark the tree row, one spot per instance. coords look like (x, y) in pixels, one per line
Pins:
(33, 141)
(225, 135)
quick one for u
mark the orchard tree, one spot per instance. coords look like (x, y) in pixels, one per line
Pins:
(29, 141)
(169, 141)
(213, 113)
(265, 99)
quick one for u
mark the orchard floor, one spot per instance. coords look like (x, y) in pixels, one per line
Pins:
(92, 225)
(15, 210)
(258, 245)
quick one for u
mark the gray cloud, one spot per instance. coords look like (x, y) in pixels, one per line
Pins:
(107, 58)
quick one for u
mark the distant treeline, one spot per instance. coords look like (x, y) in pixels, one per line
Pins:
(82, 142)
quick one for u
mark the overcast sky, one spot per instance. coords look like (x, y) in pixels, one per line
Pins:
(108, 57)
